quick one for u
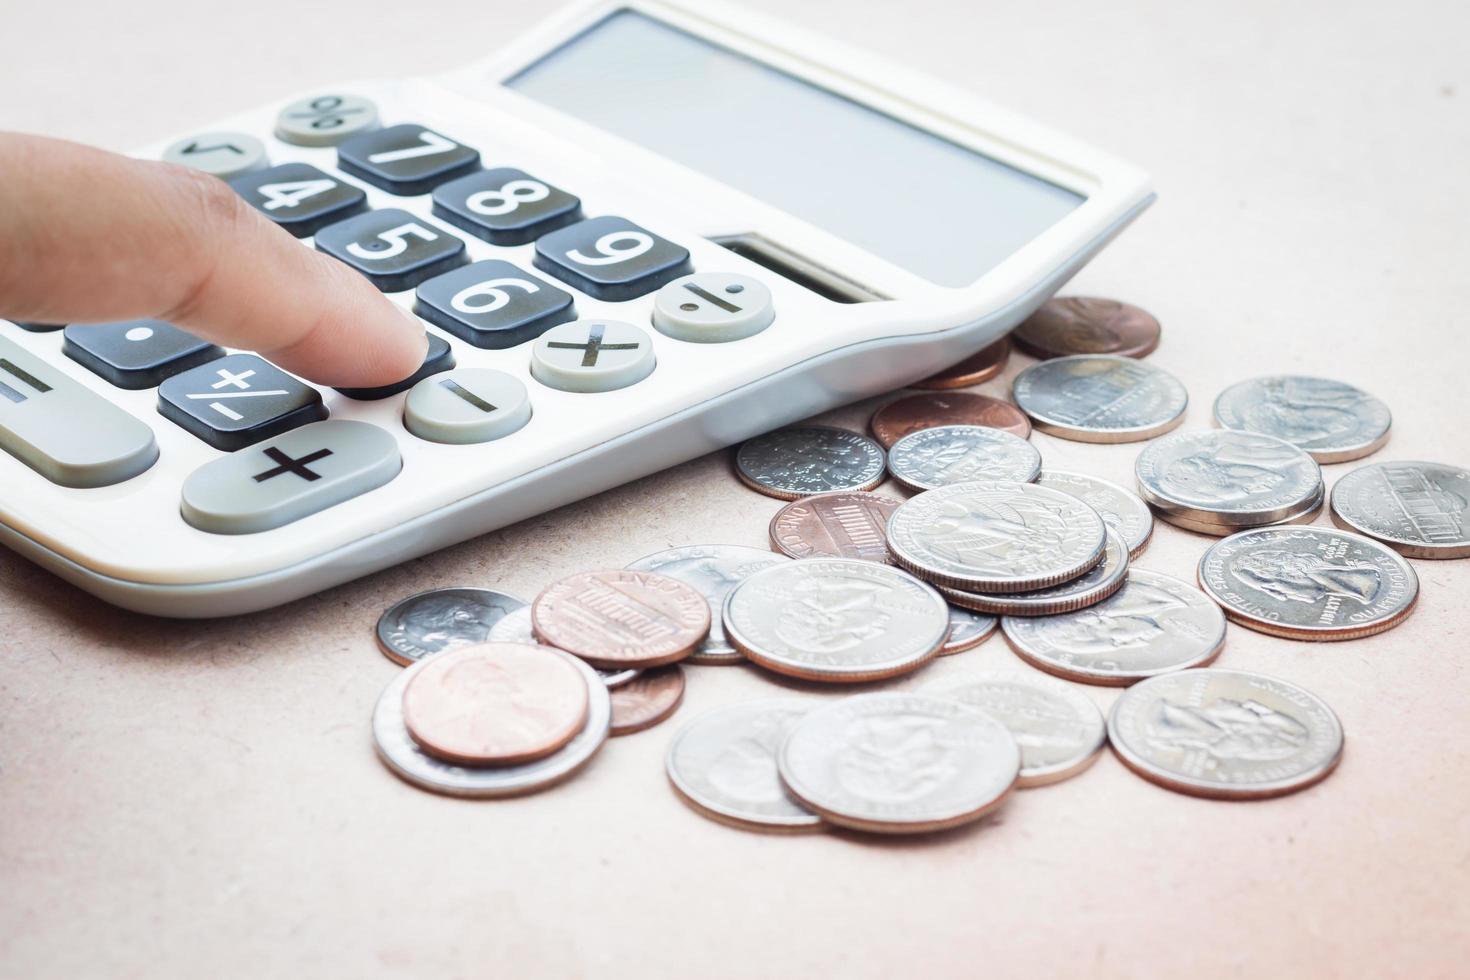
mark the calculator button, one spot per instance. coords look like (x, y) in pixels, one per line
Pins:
(138, 353)
(493, 305)
(225, 155)
(238, 400)
(592, 355)
(290, 477)
(393, 248)
(712, 308)
(299, 197)
(406, 159)
(38, 327)
(505, 206)
(65, 432)
(438, 360)
(471, 405)
(325, 120)
(611, 258)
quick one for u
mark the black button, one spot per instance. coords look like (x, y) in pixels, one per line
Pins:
(299, 197)
(394, 249)
(493, 304)
(38, 327)
(611, 258)
(406, 159)
(238, 400)
(505, 206)
(439, 358)
(138, 353)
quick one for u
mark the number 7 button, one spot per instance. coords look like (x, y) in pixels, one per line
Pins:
(611, 258)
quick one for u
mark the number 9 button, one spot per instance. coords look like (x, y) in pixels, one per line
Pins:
(505, 206)
(611, 258)
(493, 305)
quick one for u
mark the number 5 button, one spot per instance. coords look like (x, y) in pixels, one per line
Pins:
(611, 258)
(393, 248)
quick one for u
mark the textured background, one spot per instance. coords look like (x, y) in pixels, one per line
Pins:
(202, 799)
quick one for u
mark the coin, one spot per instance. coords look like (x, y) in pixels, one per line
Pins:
(650, 699)
(1418, 509)
(515, 627)
(1087, 589)
(996, 537)
(1309, 513)
(1332, 421)
(949, 454)
(723, 764)
(712, 569)
(897, 419)
(1152, 625)
(834, 525)
(967, 630)
(403, 756)
(1122, 510)
(1227, 478)
(1087, 325)
(616, 619)
(899, 763)
(1059, 730)
(1100, 398)
(979, 367)
(1309, 583)
(1225, 734)
(436, 620)
(836, 619)
(798, 462)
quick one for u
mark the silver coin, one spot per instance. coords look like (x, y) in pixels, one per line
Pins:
(1100, 398)
(996, 537)
(899, 763)
(724, 765)
(1309, 583)
(713, 569)
(1122, 510)
(836, 619)
(1153, 625)
(439, 619)
(401, 754)
(1226, 734)
(1332, 421)
(1308, 513)
(810, 459)
(946, 454)
(1227, 477)
(1421, 510)
(515, 627)
(1059, 730)
(1087, 589)
(967, 630)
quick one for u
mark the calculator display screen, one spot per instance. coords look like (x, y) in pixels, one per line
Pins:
(928, 205)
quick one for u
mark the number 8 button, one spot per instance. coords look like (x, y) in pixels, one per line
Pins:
(505, 206)
(611, 258)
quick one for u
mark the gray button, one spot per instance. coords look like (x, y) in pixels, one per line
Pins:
(62, 430)
(466, 406)
(592, 355)
(713, 307)
(225, 154)
(290, 477)
(325, 120)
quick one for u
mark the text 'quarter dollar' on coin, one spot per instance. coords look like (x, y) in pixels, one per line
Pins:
(834, 525)
(616, 619)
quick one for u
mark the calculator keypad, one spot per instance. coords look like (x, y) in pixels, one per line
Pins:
(505, 206)
(592, 355)
(299, 197)
(224, 154)
(713, 308)
(394, 249)
(136, 354)
(325, 120)
(438, 360)
(467, 406)
(238, 400)
(493, 305)
(406, 159)
(611, 258)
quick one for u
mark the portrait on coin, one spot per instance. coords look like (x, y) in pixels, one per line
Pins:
(1290, 576)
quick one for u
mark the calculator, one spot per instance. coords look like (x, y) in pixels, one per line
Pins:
(643, 232)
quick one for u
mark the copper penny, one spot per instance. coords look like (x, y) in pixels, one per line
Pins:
(648, 700)
(981, 366)
(897, 419)
(847, 524)
(1087, 325)
(622, 618)
(495, 704)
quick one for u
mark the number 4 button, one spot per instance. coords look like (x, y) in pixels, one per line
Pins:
(299, 197)
(611, 258)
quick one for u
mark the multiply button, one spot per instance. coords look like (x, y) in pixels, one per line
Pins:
(471, 405)
(238, 400)
(713, 308)
(592, 355)
(293, 476)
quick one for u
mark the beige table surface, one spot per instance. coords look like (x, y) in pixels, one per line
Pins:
(202, 800)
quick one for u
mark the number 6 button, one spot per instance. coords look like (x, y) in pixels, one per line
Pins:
(611, 258)
(493, 305)
(393, 248)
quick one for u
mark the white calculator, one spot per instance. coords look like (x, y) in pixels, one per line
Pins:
(643, 232)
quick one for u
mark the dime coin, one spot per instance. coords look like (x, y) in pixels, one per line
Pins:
(1122, 510)
(996, 537)
(1059, 729)
(1087, 589)
(404, 757)
(1225, 734)
(899, 763)
(836, 619)
(515, 627)
(1087, 325)
(1309, 583)
(834, 525)
(723, 764)
(798, 462)
(979, 367)
(967, 630)
(1418, 509)
(949, 454)
(1152, 625)
(1332, 421)
(1228, 478)
(617, 619)
(650, 699)
(1100, 398)
(713, 569)
(897, 419)
(436, 620)
(1311, 510)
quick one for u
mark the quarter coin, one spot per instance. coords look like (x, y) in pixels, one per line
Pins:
(1087, 589)
(1122, 510)
(915, 412)
(1332, 421)
(650, 699)
(967, 630)
(1225, 477)
(1059, 730)
(834, 525)
(617, 619)
(947, 454)
(1100, 398)
(436, 620)
(515, 627)
(1309, 513)
(801, 461)
(984, 364)
(1418, 509)
(712, 569)
(1087, 325)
